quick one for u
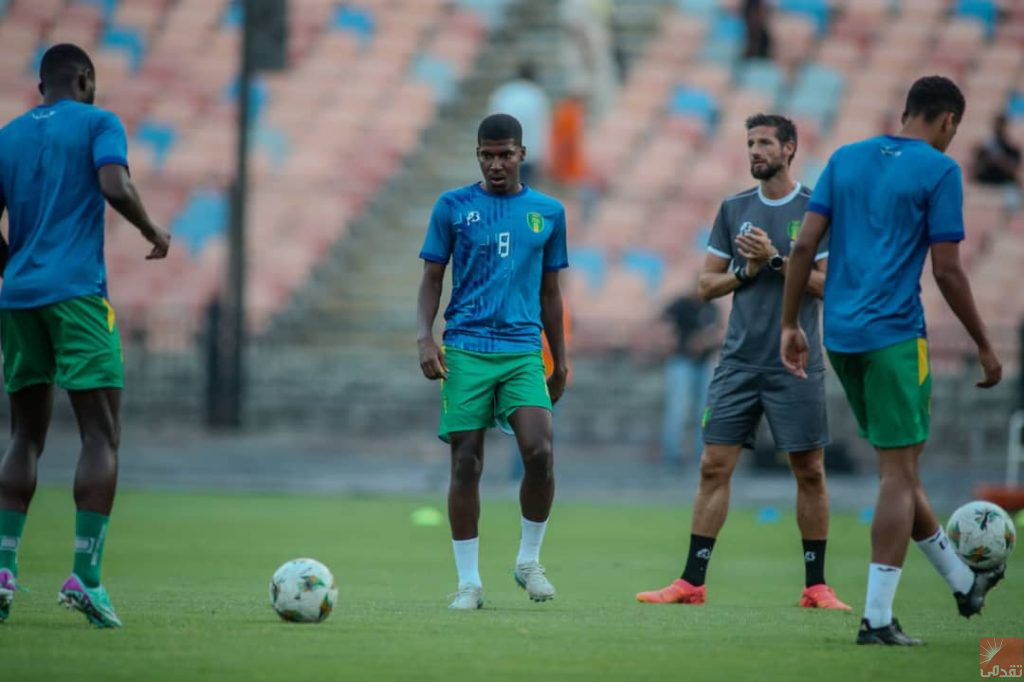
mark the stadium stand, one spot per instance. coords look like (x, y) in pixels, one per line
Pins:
(322, 145)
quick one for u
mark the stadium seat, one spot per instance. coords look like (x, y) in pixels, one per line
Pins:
(817, 10)
(761, 75)
(694, 103)
(128, 39)
(984, 10)
(159, 137)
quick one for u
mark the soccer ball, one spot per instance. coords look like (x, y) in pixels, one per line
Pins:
(982, 534)
(303, 591)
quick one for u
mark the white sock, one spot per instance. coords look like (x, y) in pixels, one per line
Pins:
(467, 561)
(882, 582)
(530, 539)
(955, 572)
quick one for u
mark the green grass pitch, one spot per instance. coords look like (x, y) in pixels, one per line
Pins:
(189, 572)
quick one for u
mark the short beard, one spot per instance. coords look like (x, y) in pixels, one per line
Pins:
(768, 172)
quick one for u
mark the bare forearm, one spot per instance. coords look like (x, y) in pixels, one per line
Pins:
(798, 276)
(127, 202)
(428, 302)
(551, 316)
(717, 284)
(956, 289)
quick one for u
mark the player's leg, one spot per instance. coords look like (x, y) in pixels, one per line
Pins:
(876, 385)
(734, 409)
(522, 399)
(798, 418)
(467, 410)
(87, 349)
(28, 378)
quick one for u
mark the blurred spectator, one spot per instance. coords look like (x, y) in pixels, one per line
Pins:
(568, 126)
(997, 162)
(587, 53)
(759, 37)
(525, 99)
(697, 332)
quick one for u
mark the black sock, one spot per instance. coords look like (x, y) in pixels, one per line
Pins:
(814, 561)
(697, 559)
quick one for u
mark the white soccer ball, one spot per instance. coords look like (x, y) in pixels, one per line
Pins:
(303, 591)
(982, 534)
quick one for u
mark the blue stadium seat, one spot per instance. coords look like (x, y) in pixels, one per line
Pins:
(821, 79)
(1015, 107)
(159, 136)
(127, 39)
(274, 142)
(725, 39)
(762, 75)
(815, 9)
(259, 96)
(233, 15)
(491, 12)
(591, 262)
(357, 20)
(693, 102)
(648, 264)
(807, 103)
(107, 7)
(985, 10)
(205, 216)
(698, 8)
(4, 4)
(438, 73)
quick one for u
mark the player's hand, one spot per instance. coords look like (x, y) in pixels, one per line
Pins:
(556, 383)
(161, 241)
(756, 246)
(794, 351)
(432, 360)
(991, 366)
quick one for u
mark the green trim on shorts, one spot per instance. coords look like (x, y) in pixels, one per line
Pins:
(890, 392)
(482, 390)
(73, 343)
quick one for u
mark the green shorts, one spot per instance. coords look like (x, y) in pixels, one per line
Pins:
(73, 343)
(890, 391)
(484, 389)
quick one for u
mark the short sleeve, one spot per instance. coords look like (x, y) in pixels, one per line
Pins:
(945, 209)
(109, 142)
(821, 198)
(720, 243)
(437, 247)
(556, 253)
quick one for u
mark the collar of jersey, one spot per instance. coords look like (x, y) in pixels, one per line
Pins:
(55, 104)
(900, 138)
(779, 202)
(478, 186)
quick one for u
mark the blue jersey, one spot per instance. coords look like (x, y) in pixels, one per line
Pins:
(49, 159)
(889, 198)
(500, 247)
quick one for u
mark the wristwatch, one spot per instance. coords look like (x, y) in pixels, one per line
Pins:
(776, 262)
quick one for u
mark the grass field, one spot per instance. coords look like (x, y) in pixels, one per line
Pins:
(189, 576)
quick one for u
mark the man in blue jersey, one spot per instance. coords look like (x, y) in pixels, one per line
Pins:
(888, 202)
(58, 163)
(507, 244)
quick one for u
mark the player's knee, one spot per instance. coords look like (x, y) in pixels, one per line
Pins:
(714, 470)
(537, 460)
(809, 474)
(466, 467)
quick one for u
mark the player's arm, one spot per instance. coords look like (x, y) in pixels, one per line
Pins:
(4, 249)
(816, 282)
(798, 275)
(120, 192)
(427, 304)
(551, 316)
(717, 280)
(956, 289)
